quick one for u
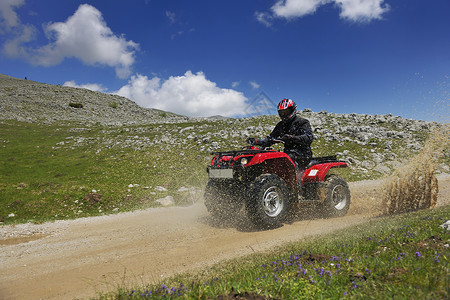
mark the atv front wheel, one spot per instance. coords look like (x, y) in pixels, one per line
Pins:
(337, 196)
(267, 202)
(221, 199)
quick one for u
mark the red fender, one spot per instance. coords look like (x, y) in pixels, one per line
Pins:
(318, 172)
(261, 157)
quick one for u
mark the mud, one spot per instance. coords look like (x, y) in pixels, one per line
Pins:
(77, 259)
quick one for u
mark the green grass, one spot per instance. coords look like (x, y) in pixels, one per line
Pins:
(47, 174)
(401, 257)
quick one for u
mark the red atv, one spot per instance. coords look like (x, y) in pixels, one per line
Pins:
(266, 183)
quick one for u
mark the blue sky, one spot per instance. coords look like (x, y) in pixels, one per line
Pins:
(204, 57)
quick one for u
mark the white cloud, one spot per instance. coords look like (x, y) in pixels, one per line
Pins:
(296, 8)
(84, 36)
(362, 10)
(171, 16)
(90, 86)
(264, 18)
(14, 47)
(8, 17)
(15, 33)
(235, 84)
(352, 10)
(189, 94)
(254, 85)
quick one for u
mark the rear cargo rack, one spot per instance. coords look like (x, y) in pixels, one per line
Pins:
(323, 159)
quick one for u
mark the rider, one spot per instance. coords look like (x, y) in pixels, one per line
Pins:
(294, 131)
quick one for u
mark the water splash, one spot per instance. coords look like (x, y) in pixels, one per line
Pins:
(414, 185)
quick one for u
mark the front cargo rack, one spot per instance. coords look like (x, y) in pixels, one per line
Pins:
(240, 152)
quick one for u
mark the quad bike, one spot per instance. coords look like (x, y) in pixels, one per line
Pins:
(268, 186)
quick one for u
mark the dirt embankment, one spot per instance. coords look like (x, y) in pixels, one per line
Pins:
(76, 259)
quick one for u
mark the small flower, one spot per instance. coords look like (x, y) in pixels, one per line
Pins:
(418, 255)
(436, 258)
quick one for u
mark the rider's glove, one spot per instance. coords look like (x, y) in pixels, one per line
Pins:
(286, 137)
(251, 141)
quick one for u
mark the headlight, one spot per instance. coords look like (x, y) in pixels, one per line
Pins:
(244, 161)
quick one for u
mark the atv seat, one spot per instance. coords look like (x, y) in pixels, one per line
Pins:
(321, 160)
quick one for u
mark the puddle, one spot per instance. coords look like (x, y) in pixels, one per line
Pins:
(21, 240)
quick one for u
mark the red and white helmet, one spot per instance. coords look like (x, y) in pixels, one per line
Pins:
(286, 109)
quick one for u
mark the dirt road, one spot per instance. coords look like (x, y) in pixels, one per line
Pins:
(76, 259)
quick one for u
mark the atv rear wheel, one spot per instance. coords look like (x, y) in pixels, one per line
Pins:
(267, 202)
(337, 196)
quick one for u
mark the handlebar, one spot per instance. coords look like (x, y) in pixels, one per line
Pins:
(269, 141)
(277, 141)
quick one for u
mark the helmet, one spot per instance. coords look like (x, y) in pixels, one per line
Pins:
(286, 109)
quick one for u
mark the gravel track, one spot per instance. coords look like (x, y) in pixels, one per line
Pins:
(77, 259)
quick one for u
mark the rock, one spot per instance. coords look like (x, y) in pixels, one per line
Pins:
(382, 169)
(315, 122)
(166, 201)
(368, 164)
(160, 189)
(446, 225)
(377, 158)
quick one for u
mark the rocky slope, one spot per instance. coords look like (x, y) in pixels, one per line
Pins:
(30, 101)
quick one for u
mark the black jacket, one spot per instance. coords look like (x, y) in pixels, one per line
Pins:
(302, 137)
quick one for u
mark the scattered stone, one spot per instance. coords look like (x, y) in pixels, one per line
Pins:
(446, 225)
(166, 201)
(382, 169)
(160, 189)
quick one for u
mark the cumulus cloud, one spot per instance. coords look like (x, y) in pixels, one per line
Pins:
(15, 33)
(8, 17)
(89, 86)
(352, 10)
(84, 36)
(264, 18)
(362, 10)
(190, 94)
(296, 8)
(23, 34)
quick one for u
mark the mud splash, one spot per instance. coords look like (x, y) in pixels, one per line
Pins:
(414, 186)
